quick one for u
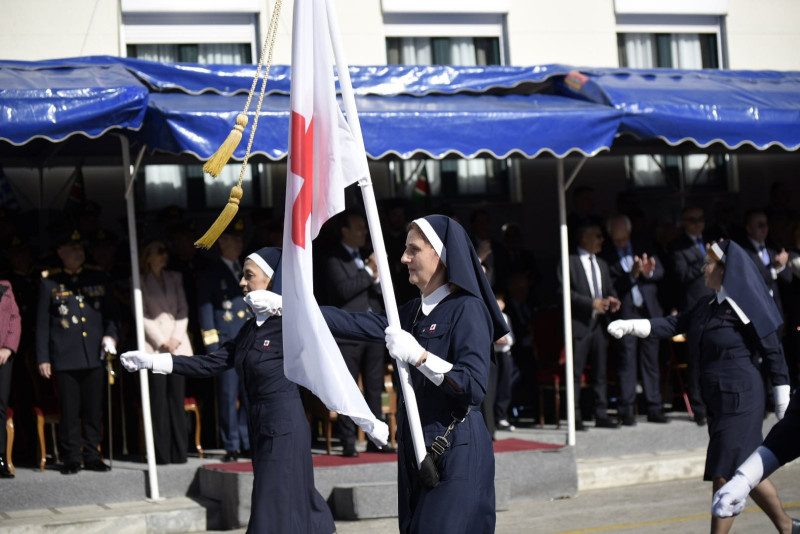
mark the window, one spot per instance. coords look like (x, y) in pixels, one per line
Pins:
(675, 50)
(166, 185)
(457, 177)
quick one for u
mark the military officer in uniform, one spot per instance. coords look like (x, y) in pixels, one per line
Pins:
(75, 326)
(221, 315)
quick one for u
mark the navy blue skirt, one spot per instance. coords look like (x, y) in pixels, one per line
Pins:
(733, 392)
(285, 500)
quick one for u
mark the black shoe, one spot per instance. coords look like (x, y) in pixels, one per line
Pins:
(580, 427)
(5, 472)
(350, 451)
(657, 417)
(230, 456)
(96, 465)
(606, 422)
(628, 420)
(70, 468)
(246, 454)
(371, 447)
(795, 526)
(700, 420)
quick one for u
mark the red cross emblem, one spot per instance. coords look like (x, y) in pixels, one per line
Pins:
(301, 162)
(433, 328)
(266, 343)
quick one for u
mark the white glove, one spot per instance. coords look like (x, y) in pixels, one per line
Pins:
(135, 360)
(730, 499)
(109, 345)
(623, 327)
(264, 303)
(402, 345)
(780, 395)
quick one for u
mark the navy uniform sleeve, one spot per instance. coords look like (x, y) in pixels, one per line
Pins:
(205, 313)
(784, 438)
(470, 353)
(43, 323)
(672, 325)
(774, 362)
(356, 326)
(210, 364)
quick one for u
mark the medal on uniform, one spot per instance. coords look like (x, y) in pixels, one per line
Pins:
(227, 304)
(227, 317)
(240, 314)
(62, 309)
(74, 320)
(64, 324)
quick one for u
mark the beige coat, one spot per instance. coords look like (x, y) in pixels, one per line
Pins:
(166, 314)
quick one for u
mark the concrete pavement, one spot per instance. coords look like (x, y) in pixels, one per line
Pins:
(629, 459)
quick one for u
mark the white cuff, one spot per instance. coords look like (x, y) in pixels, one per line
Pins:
(434, 368)
(758, 466)
(641, 327)
(780, 397)
(162, 363)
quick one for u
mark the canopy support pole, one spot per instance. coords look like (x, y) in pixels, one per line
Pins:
(138, 314)
(563, 185)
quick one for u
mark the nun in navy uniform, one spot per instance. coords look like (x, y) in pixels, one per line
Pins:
(446, 340)
(734, 337)
(284, 498)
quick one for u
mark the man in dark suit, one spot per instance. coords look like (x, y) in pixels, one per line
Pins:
(351, 283)
(771, 263)
(221, 314)
(75, 327)
(687, 254)
(593, 297)
(635, 275)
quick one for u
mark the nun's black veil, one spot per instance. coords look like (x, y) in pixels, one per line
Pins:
(464, 269)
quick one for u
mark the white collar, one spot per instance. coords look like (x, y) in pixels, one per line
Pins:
(756, 244)
(348, 248)
(583, 252)
(723, 295)
(432, 300)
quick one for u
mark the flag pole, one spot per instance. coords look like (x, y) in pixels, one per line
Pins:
(370, 205)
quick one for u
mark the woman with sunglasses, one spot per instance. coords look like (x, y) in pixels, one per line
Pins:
(166, 317)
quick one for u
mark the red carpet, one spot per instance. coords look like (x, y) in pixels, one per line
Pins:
(335, 460)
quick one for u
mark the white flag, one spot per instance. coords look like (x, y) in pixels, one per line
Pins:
(324, 158)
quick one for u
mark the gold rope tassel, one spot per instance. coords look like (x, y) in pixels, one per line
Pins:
(220, 158)
(214, 166)
(223, 220)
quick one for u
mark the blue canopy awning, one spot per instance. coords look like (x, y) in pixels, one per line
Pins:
(435, 111)
(435, 126)
(56, 103)
(734, 108)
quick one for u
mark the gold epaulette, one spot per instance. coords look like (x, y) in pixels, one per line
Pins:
(210, 336)
(48, 272)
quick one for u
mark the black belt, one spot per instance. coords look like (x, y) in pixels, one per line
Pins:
(428, 472)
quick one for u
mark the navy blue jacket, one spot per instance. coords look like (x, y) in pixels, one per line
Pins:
(74, 312)
(284, 497)
(459, 331)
